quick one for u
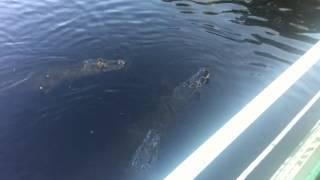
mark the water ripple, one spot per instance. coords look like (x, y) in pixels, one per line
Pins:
(162, 41)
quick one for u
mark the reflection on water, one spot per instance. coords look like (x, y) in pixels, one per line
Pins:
(49, 135)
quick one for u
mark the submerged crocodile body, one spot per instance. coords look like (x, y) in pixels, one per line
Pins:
(54, 76)
(146, 155)
(147, 152)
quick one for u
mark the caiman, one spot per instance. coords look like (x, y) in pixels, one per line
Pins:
(52, 77)
(146, 155)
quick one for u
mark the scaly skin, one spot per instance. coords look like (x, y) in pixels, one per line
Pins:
(54, 76)
(146, 155)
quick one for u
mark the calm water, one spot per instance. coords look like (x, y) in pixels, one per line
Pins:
(82, 129)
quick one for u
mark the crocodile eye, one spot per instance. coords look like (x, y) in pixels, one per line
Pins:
(121, 62)
(206, 73)
(99, 60)
(203, 79)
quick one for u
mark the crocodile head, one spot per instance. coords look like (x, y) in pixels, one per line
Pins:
(102, 65)
(187, 90)
(198, 79)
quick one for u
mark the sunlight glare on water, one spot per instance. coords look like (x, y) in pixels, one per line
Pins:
(89, 125)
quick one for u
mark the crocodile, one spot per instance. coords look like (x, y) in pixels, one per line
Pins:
(146, 155)
(189, 89)
(52, 77)
(149, 148)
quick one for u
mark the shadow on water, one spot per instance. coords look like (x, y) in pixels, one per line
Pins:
(89, 127)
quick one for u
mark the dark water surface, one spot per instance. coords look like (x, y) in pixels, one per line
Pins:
(82, 129)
